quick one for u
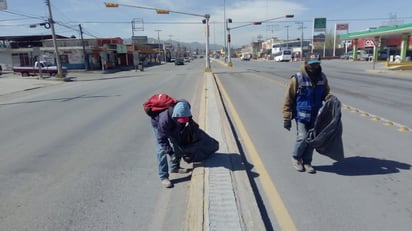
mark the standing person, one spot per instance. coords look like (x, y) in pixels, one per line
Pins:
(304, 97)
(166, 126)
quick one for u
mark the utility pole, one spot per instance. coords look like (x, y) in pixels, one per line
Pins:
(301, 39)
(56, 51)
(158, 43)
(287, 36)
(86, 63)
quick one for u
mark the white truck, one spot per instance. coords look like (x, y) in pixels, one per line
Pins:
(43, 67)
(246, 57)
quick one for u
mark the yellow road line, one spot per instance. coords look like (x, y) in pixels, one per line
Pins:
(276, 202)
(401, 127)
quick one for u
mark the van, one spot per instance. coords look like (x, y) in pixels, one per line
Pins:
(283, 56)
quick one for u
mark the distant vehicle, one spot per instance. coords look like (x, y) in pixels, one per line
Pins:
(245, 57)
(362, 55)
(186, 59)
(345, 56)
(284, 55)
(179, 61)
(47, 68)
(1, 70)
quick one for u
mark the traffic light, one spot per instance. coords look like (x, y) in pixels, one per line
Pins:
(229, 20)
(46, 25)
(228, 37)
(111, 4)
(257, 23)
(159, 11)
(204, 21)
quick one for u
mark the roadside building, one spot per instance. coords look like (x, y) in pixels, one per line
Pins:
(90, 54)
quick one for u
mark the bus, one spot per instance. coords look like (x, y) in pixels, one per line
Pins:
(281, 54)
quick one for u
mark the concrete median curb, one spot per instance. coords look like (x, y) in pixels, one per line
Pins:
(221, 196)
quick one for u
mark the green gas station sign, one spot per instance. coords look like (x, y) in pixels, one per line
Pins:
(319, 24)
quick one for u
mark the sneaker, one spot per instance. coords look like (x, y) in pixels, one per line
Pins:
(167, 184)
(297, 164)
(309, 168)
(180, 170)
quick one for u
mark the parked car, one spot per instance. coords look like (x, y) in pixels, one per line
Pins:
(346, 55)
(362, 55)
(1, 70)
(46, 69)
(179, 61)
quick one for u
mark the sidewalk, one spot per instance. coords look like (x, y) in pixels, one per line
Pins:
(10, 83)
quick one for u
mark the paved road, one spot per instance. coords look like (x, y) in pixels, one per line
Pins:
(14, 86)
(369, 190)
(80, 155)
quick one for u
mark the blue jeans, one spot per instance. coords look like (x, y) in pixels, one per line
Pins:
(164, 163)
(302, 151)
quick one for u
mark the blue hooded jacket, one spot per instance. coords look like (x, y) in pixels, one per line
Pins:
(166, 125)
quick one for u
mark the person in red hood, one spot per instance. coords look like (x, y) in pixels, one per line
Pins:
(166, 126)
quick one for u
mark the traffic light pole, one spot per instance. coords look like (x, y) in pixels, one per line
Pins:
(249, 24)
(229, 63)
(162, 11)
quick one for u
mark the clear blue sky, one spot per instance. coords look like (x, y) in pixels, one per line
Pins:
(99, 21)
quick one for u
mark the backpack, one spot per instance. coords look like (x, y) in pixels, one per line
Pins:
(158, 103)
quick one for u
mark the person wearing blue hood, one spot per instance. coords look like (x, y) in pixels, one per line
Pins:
(306, 92)
(166, 126)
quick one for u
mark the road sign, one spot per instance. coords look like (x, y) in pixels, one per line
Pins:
(319, 24)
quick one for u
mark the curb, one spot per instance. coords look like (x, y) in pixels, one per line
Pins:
(221, 196)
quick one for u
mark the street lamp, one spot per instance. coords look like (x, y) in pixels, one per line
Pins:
(162, 11)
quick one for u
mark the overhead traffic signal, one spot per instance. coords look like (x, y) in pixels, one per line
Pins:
(111, 4)
(159, 11)
(257, 23)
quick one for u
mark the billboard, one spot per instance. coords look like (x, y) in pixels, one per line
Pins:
(319, 24)
(342, 26)
(139, 39)
(319, 30)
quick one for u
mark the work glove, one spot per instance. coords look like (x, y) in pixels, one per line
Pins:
(173, 158)
(329, 97)
(287, 124)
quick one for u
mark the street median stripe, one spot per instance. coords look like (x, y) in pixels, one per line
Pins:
(274, 198)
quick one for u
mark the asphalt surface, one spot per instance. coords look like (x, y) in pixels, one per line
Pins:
(220, 198)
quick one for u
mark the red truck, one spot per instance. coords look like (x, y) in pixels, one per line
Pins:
(43, 67)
